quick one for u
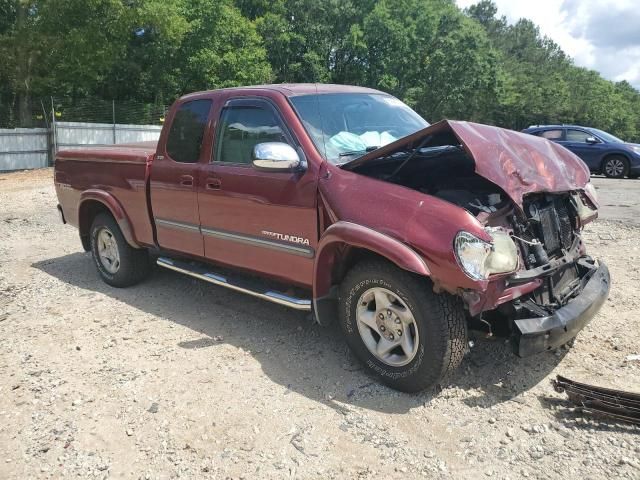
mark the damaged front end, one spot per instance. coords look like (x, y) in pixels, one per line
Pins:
(558, 289)
(542, 287)
(533, 280)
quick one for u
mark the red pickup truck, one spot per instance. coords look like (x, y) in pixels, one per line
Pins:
(343, 201)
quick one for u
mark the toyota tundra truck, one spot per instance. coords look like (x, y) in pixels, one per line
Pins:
(344, 202)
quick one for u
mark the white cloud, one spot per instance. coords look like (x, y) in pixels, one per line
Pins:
(604, 36)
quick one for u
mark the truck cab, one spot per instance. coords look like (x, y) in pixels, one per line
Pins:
(208, 200)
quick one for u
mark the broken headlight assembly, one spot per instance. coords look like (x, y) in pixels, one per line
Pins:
(584, 205)
(479, 259)
(590, 189)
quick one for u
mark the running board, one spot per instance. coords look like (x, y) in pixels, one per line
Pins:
(201, 272)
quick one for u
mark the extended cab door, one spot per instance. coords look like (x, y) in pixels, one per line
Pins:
(174, 178)
(265, 222)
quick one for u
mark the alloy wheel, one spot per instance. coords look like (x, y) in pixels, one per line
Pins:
(108, 251)
(387, 327)
(614, 167)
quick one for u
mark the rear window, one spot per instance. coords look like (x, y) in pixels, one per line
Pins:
(551, 134)
(187, 131)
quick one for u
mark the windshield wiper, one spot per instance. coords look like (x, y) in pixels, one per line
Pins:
(358, 152)
(426, 140)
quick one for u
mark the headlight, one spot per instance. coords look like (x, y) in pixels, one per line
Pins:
(635, 149)
(479, 259)
(472, 254)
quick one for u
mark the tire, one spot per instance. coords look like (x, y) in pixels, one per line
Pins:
(119, 264)
(438, 328)
(615, 166)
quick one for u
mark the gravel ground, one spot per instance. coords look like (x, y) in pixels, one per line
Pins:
(178, 378)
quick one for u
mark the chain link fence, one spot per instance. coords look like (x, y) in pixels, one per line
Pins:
(31, 134)
(39, 112)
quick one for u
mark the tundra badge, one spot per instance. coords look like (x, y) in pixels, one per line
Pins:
(286, 238)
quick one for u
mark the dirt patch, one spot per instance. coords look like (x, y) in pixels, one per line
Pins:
(175, 377)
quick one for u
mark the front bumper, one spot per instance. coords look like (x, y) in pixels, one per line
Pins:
(535, 335)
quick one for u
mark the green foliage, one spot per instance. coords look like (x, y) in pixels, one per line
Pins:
(444, 62)
(541, 85)
(148, 50)
(221, 49)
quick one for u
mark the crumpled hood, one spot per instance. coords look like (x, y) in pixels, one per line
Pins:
(517, 162)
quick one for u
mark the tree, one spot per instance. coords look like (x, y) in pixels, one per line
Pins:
(444, 62)
(61, 46)
(146, 71)
(221, 48)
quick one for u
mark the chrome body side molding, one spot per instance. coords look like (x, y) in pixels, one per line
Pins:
(177, 225)
(259, 242)
(254, 241)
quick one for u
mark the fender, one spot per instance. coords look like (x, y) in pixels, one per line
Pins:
(354, 235)
(114, 206)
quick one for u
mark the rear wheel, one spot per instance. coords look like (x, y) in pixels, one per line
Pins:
(408, 336)
(119, 264)
(615, 166)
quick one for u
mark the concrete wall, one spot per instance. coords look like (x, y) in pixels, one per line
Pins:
(26, 148)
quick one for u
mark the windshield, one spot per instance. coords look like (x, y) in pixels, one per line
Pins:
(344, 126)
(607, 137)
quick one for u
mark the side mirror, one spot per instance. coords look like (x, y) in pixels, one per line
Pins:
(592, 140)
(275, 157)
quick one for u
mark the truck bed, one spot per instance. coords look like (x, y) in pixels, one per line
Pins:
(119, 171)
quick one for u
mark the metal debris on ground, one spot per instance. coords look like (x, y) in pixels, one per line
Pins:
(623, 406)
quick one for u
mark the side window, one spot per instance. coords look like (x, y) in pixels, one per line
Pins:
(241, 128)
(187, 131)
(577, 136)
(551, 134)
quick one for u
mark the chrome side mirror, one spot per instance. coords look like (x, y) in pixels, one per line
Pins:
(275, 157)
(592, 140)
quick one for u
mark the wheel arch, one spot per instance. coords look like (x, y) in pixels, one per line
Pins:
(342, 245)
(94, 202)
(608, 155)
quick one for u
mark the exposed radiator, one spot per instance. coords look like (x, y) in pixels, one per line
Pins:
(555, 226)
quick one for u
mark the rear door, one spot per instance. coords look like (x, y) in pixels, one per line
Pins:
(261, 221)
(174, 178)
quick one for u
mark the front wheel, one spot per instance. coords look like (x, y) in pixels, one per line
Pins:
(408, 336)
(615, 167)
(119, 264)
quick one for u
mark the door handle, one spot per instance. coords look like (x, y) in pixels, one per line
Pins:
(213, 184)
(186, 180)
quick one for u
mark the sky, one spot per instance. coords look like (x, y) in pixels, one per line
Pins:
(602, 35)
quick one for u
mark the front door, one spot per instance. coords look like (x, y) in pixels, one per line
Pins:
(174, 179)
(265, 222)
(590, 153)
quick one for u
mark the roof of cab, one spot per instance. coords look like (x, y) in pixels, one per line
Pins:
(294, 89)
(543, 127)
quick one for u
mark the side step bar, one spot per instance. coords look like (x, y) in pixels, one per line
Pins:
(202, 272)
